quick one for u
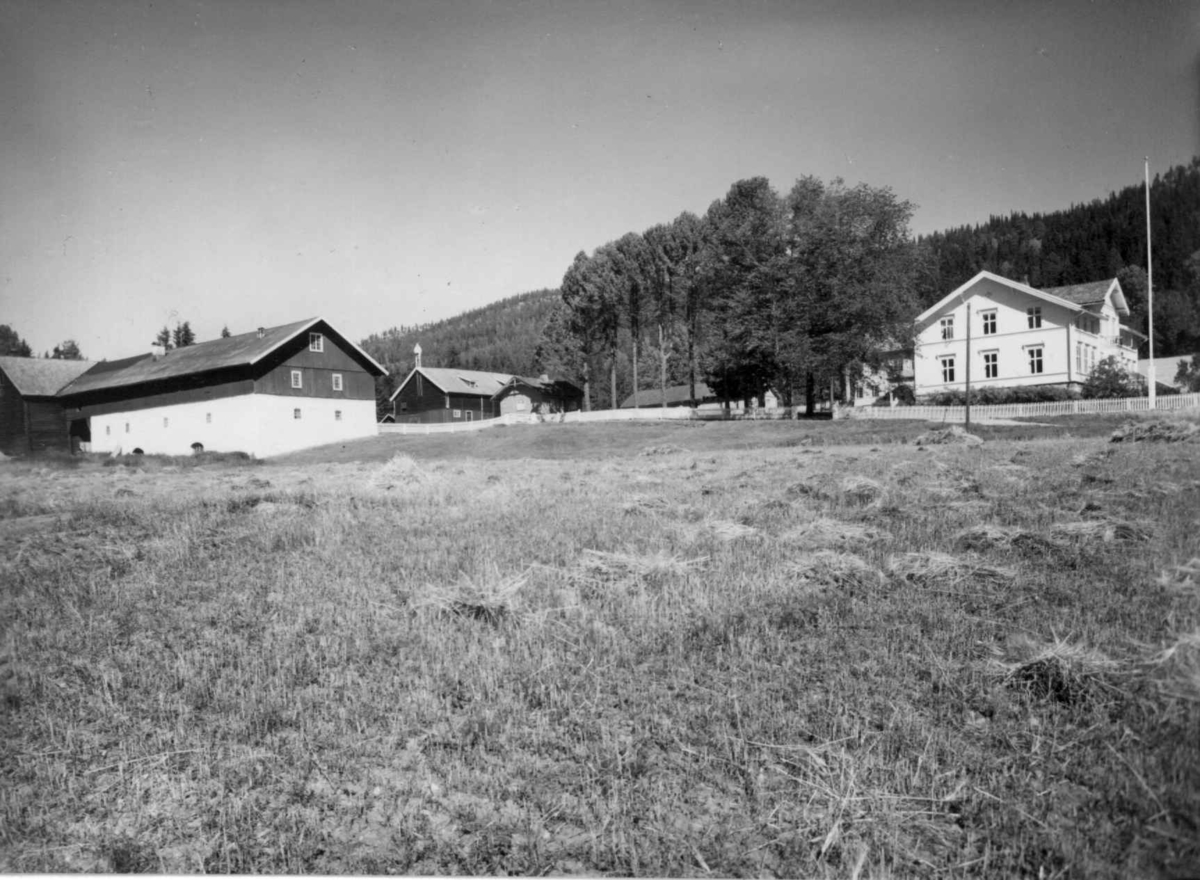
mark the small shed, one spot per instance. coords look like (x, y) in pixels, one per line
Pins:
(32, 419)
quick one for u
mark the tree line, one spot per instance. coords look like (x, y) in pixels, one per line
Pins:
(765, 291)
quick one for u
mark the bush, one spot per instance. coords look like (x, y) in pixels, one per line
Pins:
(992, 396)
(1109, 378)
(903, 394)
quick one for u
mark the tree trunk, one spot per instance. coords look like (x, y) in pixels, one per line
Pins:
(615, 404)
(635, 375)
(587, 385)
(662, 352)
(810, 393)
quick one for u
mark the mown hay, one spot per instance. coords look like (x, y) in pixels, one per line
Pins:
(1180, 662)
(399, 470)
(1156, 431)
(831, 568)
(604, 566)
(663, 449)
(1106, 530)
(489, 600)
(641, 505)
(1060, 671)
(986, 537)
(827, 533)
(943, 568)
(950, 435)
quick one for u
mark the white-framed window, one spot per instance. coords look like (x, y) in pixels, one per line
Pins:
(404, 406)
(947, 325)
(166, 421)
(337, 415)
(1033, 315)
(991, 364)
(337, 381)
(208, 418)
(989, 322)
(108, 430)
(458, 413)
(316, 342)
(947, 369)
(127, 427)
(1035, 359)
(297, 379)
(296, 413)
(447, 401)
(1078, 356)
(470, 415)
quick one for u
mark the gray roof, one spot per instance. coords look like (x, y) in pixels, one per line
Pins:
(453, 381)
(39, 377)
(232, 351)
(1082, 294)
(677, 395)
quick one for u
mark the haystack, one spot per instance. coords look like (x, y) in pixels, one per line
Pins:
(951, 434)
(1164, 430)
(1060, 671)
(399, 470)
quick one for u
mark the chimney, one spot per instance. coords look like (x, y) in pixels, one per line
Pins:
(544, 379)
(262, 331)
(417, 356)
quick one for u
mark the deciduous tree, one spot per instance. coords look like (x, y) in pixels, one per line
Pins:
(67, 350)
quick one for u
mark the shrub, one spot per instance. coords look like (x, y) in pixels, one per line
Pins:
(1109, 378)
(990, 396)
(903, 394)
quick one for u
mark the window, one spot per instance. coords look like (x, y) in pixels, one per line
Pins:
(337, 381)
(166, 421)
(108, 430)
(989, 322)
(470, 415)
(296, 413)
(127, 427)
(337, 415)
(297, 379)
(991, 364)
(458, 414)
(447, 401)
(1034, 315)
(1035, 360)
(316, 342)
(404, 406)
(1078, 356)
(947, 369)
(947, 325)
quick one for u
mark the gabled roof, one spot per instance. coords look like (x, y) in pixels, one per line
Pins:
(39, 377)
(676, 394)
(545, 384)
(245, 349)
(1093, 293)
(452, 381)
(1007, 282)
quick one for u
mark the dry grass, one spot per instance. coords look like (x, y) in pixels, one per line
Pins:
(923, 664)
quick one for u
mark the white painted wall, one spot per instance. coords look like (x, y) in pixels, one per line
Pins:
(1011, 342)
(259, 424)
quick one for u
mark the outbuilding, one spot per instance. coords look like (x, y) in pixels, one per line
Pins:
(31, 416)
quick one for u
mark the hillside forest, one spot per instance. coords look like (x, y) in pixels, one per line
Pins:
(793, 291)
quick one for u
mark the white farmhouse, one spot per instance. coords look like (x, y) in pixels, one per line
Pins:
(1020, 335)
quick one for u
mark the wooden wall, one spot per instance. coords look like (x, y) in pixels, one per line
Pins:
(13, 439)
(423, 401)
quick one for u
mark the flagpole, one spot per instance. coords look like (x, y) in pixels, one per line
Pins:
(1150, 377)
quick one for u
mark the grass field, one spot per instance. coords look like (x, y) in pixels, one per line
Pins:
(732, 649)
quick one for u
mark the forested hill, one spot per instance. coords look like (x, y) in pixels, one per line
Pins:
(500, 337)
(1103, 239)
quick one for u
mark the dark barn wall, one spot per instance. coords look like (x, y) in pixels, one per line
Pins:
(100, 403)
(316, 370)
(47, 425)
(420, 399)
(13, 439)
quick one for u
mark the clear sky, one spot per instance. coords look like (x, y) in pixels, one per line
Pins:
(254, 162)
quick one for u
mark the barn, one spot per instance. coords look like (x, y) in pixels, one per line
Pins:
(267, 392)
(442, 394)
(31, 417)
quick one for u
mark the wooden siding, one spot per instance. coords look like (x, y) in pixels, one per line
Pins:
(98, 405)
(274, 374)
(420, 399)
(13, 438)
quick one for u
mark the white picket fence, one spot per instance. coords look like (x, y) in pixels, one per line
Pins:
(646, 414)
(1027, 410)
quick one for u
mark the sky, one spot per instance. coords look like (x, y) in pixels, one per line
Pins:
(248, 163)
